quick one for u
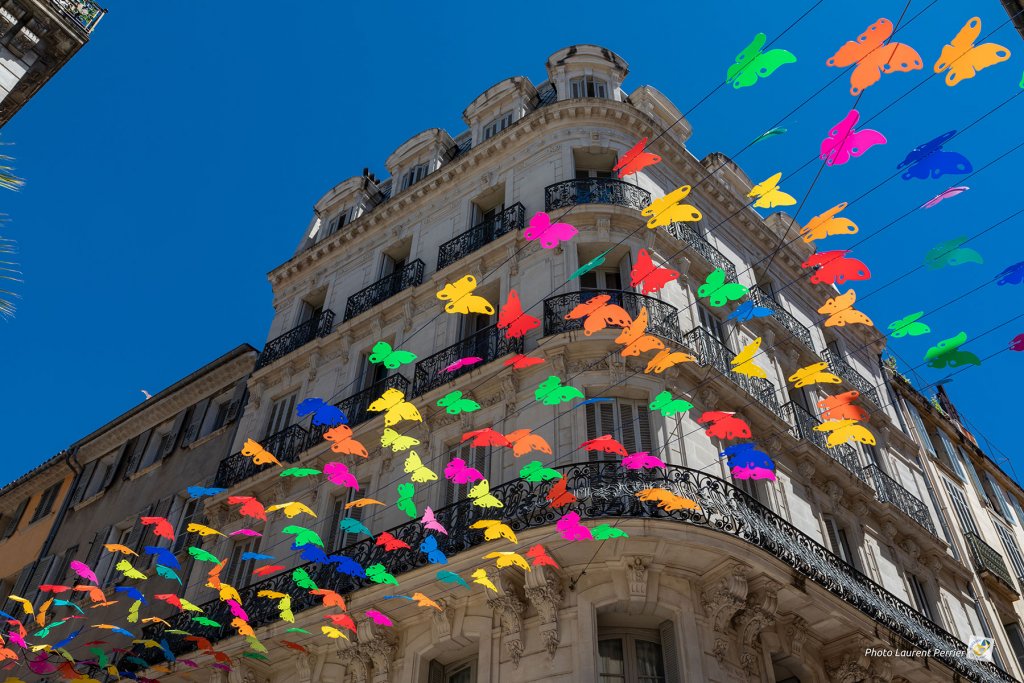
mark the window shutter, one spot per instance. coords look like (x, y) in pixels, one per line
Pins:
(670, 653)
(12, 526)
(137, 452)
(97, 547)
(82, 485)
(237, 403)
(627, 424)
(922, 433)
(481, 461)
(354, 513)
(974, 477)
(135, 537)
(188, 515)
(59, 569)
(591, 421)
(23, 578)
(39, 576)
(195, 423)
(435, 672)
(954, 460)
(644, 428)
(1004, 507)
(172, 438)
(1016, 507)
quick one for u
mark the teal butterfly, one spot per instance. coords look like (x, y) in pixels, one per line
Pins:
(718, 291)
(535, 471)
(590, 265)
(669, 406)
(951, 253)
(552, 393)
(382, 352)
(167, 573)
(752, 63)
(405, 502)
(378, 574)
(605, 531)
(455, 404)
(909, 326)
(446, 576)
(354, 526)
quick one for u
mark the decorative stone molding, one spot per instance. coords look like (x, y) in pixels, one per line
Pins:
(889, 529)
(357, 664)
(759, 614)
(314, 365)
(806, 470)
(834, 492)
(637, 574)
(708, 396)
(381, 651)
(724, 597)
(442, 619)
(860, 509)
(796, 635)
(545, 592)
(303, 666)
(911, 548)
(509, 609)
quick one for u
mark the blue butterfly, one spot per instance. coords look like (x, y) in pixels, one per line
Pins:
(1013, 275)
(346, 565)
(434, 554)
(131, 592)
(312, 553)
(353, 525)
(200, 491)
(930, 160)
(58, 645)
(167, 650)
(163, 556)
(255, 556)
(323, 412)
(446, 576)
(747, 311)
(747, 462)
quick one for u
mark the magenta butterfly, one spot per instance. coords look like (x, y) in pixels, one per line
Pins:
(550, 234)
(843, 143)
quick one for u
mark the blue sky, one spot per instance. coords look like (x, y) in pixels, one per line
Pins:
(175, 161)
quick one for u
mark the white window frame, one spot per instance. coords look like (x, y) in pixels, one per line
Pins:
(239, 573)
(920, 595)
(1012, 549)
(839, 541)
(415, 174)
(583, 86)
(629, 638)
(216, 412)
(282, 413)
(336, 538)
(960, 507)
(634, 431)
(497, 125)
(713, 324)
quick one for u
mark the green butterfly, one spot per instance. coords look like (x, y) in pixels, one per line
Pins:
(718, 291)
(947, 352)
(909, 326)
(303, 536)
(296, 629)
(951, 253)
(202, 555)
(669, 406)
(257, 655)
(552, 393)
(605, 531)
(299, 472)
(590, 265)
(535, 471)
(302, 579)
(454, 404)
(391, 358)
(206, 621)
(405, 503)
(378, 574)
(752, 63)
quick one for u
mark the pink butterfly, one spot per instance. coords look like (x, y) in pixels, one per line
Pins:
(945, 194)
(379, 618)
(642, 461)
(429, 521)
(550, 234)
(17, 639)
(337, 473)
(459, 473)
(82, 569)
(571, 529)
(1017, 343)
(842, 142)
(462, 362)
(237, 610)
(245, 532)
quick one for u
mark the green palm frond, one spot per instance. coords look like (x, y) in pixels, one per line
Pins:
(7, 178)
(8, 273)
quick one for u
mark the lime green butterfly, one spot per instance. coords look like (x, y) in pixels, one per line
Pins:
(454, 404)
(378, 574)
(391, 358)
(535, 471)
(669, 406)
(947, 352)
(552, 393)
(718, 291)
(206, 621)
(299, 472)
(405, 502)
(603, 532)
(302, 579)
(909, 326)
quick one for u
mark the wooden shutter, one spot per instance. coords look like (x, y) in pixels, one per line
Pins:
(189, 513)
(172, 437)
(355, 513)
(82, 483)
(974, 477)
(59, 569)
(141, 441)
(195, 422)
(97, 547)
(237, 403)
(670, 653)
(135, 537)
(39, 576)
(18, 514)
(20, 586)
(435, 672)
(833, 538)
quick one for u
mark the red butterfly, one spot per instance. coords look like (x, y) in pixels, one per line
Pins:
(607, 444)
(540, 556)
(390, 542)
(635, 159)
(840, 407)
(342, 620)
(267, 570)
(652, 277)
(724, 426)
(161, 527)
(512, 319)
(834, 268)
(521, 361)
(486, 437)
(559, 494)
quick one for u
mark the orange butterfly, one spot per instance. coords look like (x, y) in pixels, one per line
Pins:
(667, 500)
(666, 359)
(828, 223)
(635, 159)
(512, 319)
(840, 407)
(559, 494)
(841, 313)
(599, 314)
(964, 59)
(362, 502)
(635, 339)
(873, 57)
(259, 455)
(651, 277)
(341, 436)
(524, 441)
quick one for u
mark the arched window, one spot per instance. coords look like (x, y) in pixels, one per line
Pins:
(632, 649)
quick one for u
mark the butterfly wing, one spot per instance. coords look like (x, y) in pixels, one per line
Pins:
(665, 359)
(743, 362)
(651, 277)
(513, 320)
(742, 73)
(765, 186)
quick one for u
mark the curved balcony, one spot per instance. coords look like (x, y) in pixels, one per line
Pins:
(286, 445)
(663, 318)
(842, 367)
(279, 347)
(512, 218)
(782, 316)
(595, 191)
(891, 491)
(706, 250)
(385, 288)
(803, 428)
(489, 344)
(710, 351)
(604, 490)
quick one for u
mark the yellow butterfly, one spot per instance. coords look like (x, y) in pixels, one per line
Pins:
(495, 529)
(813, 374)
(273, 595)
(202, 530)
(769, 195)
(284, 609)
(964, 59)
(480, 576)
(825, 224)
(190, 606)
(130, 572)
(482, 496)
(420, 472)
(666, 358)
(460, 297)
(259, 454)
(291, 509)
(841, 313)
(332, 632)
(743, 362)
(396, 442)
(25, 604)
(229, 593)
(841, 431)
(508, 559)
(396, 408)
(635, 339)
(668, 210)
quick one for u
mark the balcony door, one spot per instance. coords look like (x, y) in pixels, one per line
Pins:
(281, 413)
(601, 279)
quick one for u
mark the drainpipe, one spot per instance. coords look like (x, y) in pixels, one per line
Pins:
(71, 459)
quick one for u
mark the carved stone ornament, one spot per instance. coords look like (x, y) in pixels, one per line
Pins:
(357, 665)
(758, 615)
(889, 529)
(314, 365)
(860, 510)
(723, 599)
(442, 619)
(546, 597)
(637, 577)
(381, 651)
(509, 610)
(911, 548)
(834, 492)
(796, 635)
(303, 666)
(708, 396)
(806, 470)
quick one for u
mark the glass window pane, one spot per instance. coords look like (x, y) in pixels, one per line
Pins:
(650, 667)
(612, 663)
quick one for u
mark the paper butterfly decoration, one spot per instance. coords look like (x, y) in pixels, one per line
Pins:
(951, 253)
(429, 521)
(488, 436)
(459, 473)
(460, 297)
(508, 559)
(430, 548)
(535, 471)
(323, 412)
(642, 461)
(635, 159)
(743, 363)
(718, 291)
(666, 500)
(768, 134)
(382, 353)
(665, 359)
(669, 406)
(480, 576)
(523, 441)
(669, 209)
(452, 577)
(259, 455)
(338, 474)
(606, 444)
(746, 462)
(395, 408)
(843, 142)
(342, 441)
(590, 265)
(724, 426)
(513, 320)
(945, 194)
(1017, 343)
(559, 495)
(406, 490)
(747, 311)
(841, 313)
(814, 374)
(964, 59)
(549, 234)
(415, 467)
(552, 393)
(397, 442)
(769, 195)
(495, 529)
(909, 326)
(873, 56)
(570, 528)
(835, 268)
(379, 574)
(461, 363)
(753, 63)
(947, 352)
(481, 495)
(828, 224)
(842, 431)
(455, 404)
(635, 339)
(651, 277)
(1012, 275)
(521, 361)
(599, 314)
(840, 407)
(931, 161)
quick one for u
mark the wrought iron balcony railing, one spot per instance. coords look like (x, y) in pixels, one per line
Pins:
(710, 351)
(279, 347)
(489, 344)
(803, 428)
(988, 559)
(385, 288)
(784, 317)
(84, 14)
(891, 491)
(595, 191)
(842, 367)
(603, 490)
(356, 406)
(663, 318)
(286, 445)
(706, 250)
(512, 218)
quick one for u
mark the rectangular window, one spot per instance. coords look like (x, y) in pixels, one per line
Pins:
(712, 324)
(588, 86)
(281, 414)
(1016, 638)
(1002, 506)
(974, 477)
(475, 457)
(960, 507)
(46, 502)
(920, 596)
(839, 542)
(191, 513)
(239, 572)
(601, 279)
(157, 444)
(952, 459)
(628, 421)
(1012, 550)
(121, 539)
(337, 538)
(414, 175)
(497, 125)
(922, 433)
(630, 659)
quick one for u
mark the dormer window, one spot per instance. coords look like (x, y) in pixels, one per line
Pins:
(334, 224)
(497, 125)
(414, 175)
(588, 86)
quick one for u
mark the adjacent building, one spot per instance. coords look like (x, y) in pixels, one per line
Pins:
(1015, 8)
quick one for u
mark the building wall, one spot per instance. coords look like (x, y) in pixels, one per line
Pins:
(21, 545)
